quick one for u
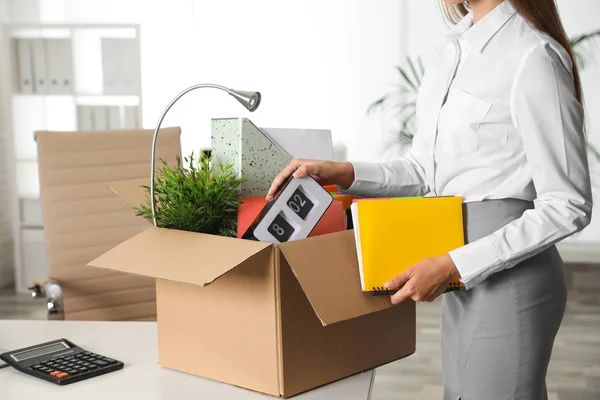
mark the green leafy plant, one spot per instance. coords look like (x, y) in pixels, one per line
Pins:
(196, 197)
(401, 101)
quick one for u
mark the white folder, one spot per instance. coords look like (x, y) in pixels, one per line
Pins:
(84, 118)
(131, 118)
(100, 117)
(24, 66)
(59, 56)
(114, 117)
(120, 66)
(130, 66)
(68, 73)
(110, 66)
(40, 71)
(54, 65)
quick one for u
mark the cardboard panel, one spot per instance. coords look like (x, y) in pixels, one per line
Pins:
(83, 217)
(179, 256)
(314, 355)
(225, 331)
(331, 281)
(132, 191)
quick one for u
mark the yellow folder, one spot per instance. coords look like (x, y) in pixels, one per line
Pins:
(396, 233)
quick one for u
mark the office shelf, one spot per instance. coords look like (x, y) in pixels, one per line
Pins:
(84, 50)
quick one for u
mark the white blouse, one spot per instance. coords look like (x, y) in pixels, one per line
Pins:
(505, 124)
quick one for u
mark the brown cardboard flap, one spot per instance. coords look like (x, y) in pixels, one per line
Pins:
(179, 256)
(327, 269)
(132, 191)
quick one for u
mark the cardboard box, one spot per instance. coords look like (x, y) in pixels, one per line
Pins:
(279, 320)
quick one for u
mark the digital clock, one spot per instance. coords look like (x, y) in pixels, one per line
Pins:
(292, 214)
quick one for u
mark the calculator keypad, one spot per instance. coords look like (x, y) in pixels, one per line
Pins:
(79, 363)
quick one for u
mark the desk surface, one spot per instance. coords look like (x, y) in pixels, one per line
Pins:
(134, 343)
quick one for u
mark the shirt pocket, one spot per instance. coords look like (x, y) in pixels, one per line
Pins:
(460, 120)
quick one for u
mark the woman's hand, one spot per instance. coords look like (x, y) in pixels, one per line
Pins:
(425, 280)
(324, 172)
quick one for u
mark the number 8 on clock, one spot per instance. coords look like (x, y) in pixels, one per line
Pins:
(281, 229)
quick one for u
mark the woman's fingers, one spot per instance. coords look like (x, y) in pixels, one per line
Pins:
(322, 171)
(398, 281)
(307, 169)
(277, 182)
(406, 292)
(282, 177)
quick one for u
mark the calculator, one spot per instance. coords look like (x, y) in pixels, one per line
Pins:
(60, 362)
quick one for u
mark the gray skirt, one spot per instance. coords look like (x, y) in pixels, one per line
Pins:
(497, 337)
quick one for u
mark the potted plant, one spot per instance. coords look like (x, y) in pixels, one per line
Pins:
(197, 197)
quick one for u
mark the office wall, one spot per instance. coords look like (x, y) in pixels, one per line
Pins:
(317, 63)
(424, 29)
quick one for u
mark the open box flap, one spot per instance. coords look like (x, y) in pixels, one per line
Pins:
(327, 269)
(132, 191)
(179, 256)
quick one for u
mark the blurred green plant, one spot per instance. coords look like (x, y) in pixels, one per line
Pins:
(583, 47)
(401, 102)
(195, 197)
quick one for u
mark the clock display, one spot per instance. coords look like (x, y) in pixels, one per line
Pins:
(299, 203)
(280, 228)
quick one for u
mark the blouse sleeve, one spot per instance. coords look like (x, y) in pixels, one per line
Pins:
(550, 119)
(404, 176)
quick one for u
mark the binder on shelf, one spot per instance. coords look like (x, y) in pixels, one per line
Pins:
(100, 118)
(110, 68)
(120, 66)
(114, 117)
(393, 234)
(131, 117)
(130, 66)
(59, 66)
(40, 71)
(68, 74)
(24, 65)
(84, 118)
(54, 66)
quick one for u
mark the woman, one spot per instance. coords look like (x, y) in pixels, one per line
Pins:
(500, 124)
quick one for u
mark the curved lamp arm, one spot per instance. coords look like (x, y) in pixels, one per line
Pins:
(250, 100)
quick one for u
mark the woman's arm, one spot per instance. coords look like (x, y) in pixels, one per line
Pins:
(401, 177)
(550, 119)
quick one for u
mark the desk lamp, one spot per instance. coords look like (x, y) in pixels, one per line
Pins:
(250, 100)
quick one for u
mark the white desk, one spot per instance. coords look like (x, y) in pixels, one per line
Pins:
(135, 344)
